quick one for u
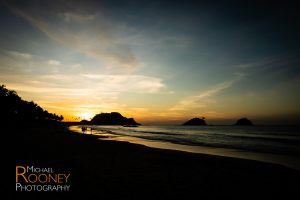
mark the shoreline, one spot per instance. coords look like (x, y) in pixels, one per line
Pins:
(284, 160)
(121, 170)
(281, 159)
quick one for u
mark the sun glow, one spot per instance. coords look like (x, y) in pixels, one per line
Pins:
(86, 115)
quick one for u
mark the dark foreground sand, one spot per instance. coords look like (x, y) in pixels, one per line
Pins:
(120, 170)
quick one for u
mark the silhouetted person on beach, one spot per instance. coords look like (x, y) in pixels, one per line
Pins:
(83, 128)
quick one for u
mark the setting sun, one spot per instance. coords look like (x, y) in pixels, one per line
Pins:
(86, 115)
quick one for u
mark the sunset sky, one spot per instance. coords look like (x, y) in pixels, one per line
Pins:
(156, 61)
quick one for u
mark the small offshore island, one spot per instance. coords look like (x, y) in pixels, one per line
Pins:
(195, 122)
(201, 122)
(243, 122)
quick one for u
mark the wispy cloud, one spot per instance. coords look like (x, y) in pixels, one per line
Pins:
(71, 93)
(201, 99)
(54, 62)
(128, 83)
(94, 39)
(73, 16)
(278, 61)
(19, 55)
(16, 62)
(87, 84)
(76, 66)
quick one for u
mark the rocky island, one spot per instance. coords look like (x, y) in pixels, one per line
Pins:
(113, 118)
(195, 122)
(243, 122)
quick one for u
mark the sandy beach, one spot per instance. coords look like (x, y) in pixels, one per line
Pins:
(120, 170)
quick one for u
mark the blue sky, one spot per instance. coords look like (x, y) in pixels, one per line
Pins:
(157, 61)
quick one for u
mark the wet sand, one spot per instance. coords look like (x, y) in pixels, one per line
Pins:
(121, 170)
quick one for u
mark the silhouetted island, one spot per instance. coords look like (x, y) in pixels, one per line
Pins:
(84, 121)
(243, 122)
(195, 122)
(113, 118)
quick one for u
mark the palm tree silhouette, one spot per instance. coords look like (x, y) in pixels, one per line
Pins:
(15, 110)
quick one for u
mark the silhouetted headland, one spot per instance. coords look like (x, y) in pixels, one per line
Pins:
(243, 122)
(196, 122)
(113, 118)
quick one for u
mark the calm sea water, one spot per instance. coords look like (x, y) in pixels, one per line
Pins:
(267, 142)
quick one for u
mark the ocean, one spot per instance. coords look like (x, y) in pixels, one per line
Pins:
(275, 144)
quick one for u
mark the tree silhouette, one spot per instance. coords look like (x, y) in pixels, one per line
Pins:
(15, 110)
